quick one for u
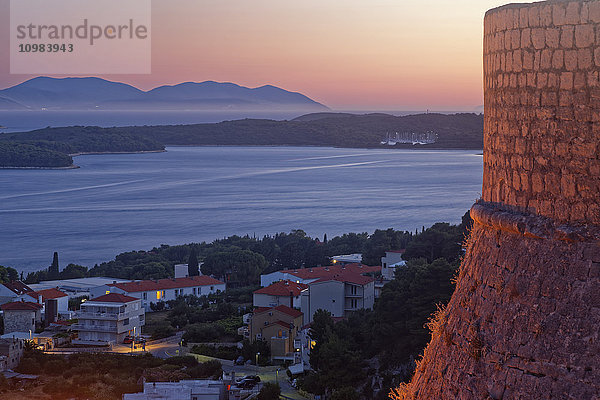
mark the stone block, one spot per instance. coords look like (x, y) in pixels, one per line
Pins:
(584, 58)
(584, 35)
(538, 38)
(559, 14)
(552, 37)
(570, 60)
(558, 59)
(594, 11)
(567, 33)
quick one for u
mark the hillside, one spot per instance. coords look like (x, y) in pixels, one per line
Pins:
(458, 131)
(99, 94)
(19, 155)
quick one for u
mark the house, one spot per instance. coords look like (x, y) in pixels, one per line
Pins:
(355, 258)
(76, 287)
(153, 291)
(340, 294)
(201, 389)
(279, 326)
(389, 263)
(21, 316)
(308, 275)
(12, 291)
(283, 292)
(108, 319)
(11, 351)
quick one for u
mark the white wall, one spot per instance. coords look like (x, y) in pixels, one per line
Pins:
(389, 259)
(266, 300)
(327, 296)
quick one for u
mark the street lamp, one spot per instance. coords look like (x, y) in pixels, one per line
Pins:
(257, 355)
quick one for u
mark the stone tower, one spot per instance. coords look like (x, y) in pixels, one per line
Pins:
(524, 321)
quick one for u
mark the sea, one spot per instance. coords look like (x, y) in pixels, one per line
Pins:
(121, 202)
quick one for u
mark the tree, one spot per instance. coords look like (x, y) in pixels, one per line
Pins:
(269, 391)
(8, 274)
(193, 269)
(345, 393)
(73, 271)
(53, 269)
(241, 267)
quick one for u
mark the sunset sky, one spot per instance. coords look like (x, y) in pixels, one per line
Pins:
(348, 54)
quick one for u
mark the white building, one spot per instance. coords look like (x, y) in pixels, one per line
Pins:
(389, 263)
(355, 258)
(308, 275)
(340, 294)
(280, 293)
(182, 390)
(108, 319)
(153, 291)
(76, 287)
(13, 291)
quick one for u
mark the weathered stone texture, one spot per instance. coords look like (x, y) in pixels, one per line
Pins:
(524, 321)
(541, 84)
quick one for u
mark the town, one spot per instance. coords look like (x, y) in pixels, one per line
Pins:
(203, 336)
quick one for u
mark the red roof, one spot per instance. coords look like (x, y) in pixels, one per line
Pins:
(18, 287)
(169, 283)
(323, 272)
(114, 298)
(283, 288)
(51, 293)
(347, 277)
(282, 323)
(21, 306)
(284, 309)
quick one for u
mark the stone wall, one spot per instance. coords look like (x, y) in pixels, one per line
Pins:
(524, 320)
(542, 108)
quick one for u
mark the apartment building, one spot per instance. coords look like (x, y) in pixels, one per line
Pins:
(153, 291)
(279, 326)
(309, 275)
(108, 319)
(340, 294)
(280, 293)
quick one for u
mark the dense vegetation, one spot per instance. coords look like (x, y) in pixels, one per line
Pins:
(27, 155)
(385, 341)
(51, 147)
(105, 376)
(458, 131)
(241, 260)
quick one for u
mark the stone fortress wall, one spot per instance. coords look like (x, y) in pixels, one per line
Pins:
(524, 321)
(542, 108)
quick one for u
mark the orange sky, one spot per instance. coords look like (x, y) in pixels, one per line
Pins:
(347, 54)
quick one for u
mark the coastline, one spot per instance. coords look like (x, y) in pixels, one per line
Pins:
(91, 153)
(72, 166)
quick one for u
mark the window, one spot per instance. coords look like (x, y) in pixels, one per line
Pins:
(107, 292)
(162, 294)
(212, 288)
(194, 291)
(157, 295)
(126, 321)
(145, 296)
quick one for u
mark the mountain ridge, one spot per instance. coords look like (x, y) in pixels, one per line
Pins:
(97, 93)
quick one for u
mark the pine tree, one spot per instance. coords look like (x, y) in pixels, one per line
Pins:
(53, 270)
(325, 238)
(193, 269)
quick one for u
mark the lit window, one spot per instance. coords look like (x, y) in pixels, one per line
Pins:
(107, 292)
(157, 295)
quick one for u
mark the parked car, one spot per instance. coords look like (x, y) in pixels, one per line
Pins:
(253, 378)
(139, 340)
(127, 340)
(246, 384)
(239, 361)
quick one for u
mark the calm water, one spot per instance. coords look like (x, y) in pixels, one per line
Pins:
(116, 203)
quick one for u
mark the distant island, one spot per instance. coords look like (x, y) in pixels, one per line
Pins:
(43, 93)
(53, 147)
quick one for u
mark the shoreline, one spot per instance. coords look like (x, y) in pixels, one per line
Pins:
(72, 166)
(92, 153)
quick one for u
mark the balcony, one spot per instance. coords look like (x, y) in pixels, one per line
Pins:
(94, 328)
(105, 316)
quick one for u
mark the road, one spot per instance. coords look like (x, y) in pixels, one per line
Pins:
(169, 347)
